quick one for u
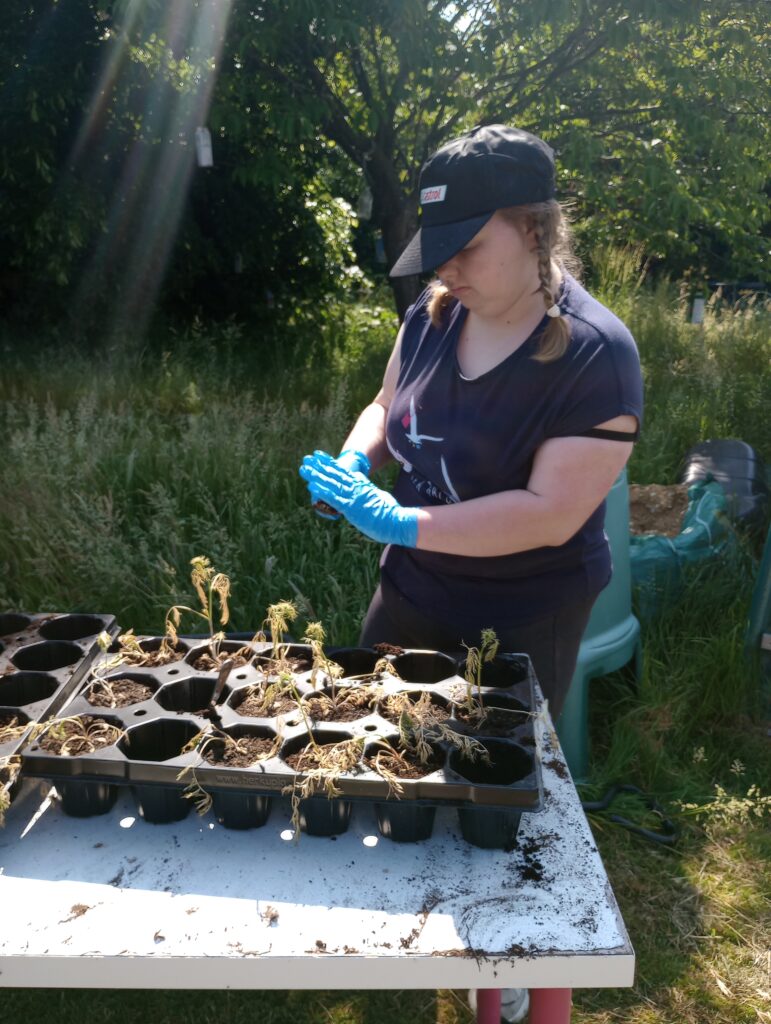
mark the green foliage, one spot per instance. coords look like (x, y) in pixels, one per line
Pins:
(627, 95)
(656, 111)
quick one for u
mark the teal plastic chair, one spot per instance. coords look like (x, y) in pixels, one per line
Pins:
(611, 638)
(757, 640)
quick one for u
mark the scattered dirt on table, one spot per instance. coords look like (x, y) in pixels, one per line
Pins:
(557, 766)
(657, 508)
(78, 910)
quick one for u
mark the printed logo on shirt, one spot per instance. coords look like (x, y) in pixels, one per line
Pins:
(410, 424)
(433, 194)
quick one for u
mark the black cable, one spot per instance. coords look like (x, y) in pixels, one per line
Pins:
(666, 836)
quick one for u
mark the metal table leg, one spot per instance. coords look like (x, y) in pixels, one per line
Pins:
(488, 1006)
(550, 1005)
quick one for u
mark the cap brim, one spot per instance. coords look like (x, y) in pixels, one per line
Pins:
(433, 246)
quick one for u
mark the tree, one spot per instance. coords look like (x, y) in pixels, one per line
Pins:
(658, 109)
(48, 61)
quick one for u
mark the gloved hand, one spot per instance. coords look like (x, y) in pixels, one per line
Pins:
(351, 460)
(377, 514)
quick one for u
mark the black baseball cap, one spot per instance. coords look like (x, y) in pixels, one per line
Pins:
(466, 181)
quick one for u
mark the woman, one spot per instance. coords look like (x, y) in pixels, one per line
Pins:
(511, 402)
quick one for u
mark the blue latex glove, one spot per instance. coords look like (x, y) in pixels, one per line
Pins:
(377, 514)
(351, 460)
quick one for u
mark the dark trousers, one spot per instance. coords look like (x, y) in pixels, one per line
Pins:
(552, 643)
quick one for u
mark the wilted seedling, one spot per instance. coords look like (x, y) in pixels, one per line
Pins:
(419, 734)
(12, 728)
(208, 584)
(279, 617)
(475, 661)
(9, 772)
(203, 741)
(358, 698)
(383, 667)
(321, 767)
(80, 734)
(322, 665)
(211, 587)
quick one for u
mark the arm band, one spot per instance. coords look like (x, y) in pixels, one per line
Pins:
(611, 435)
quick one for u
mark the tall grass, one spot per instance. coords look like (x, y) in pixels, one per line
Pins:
(708, 380)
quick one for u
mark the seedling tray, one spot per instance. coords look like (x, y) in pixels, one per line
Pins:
(490, 798)
(43, 658)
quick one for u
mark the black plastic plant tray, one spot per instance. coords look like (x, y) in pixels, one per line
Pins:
(43, 658)
(149, 758)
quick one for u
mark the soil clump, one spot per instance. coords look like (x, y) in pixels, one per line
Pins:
(657, 508)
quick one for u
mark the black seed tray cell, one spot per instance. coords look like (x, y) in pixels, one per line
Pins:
(150, 757)
(43, 659)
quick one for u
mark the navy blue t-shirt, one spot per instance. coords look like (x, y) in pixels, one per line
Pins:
(457, 438)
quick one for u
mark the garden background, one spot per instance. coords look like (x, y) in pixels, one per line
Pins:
(173, 338)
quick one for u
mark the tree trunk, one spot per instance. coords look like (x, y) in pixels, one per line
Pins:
(397, 217)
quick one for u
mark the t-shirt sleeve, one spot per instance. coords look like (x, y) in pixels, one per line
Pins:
(604, 381)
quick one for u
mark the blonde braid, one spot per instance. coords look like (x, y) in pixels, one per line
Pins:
(554, 340)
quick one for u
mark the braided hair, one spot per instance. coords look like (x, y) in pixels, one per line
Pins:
(551, 230)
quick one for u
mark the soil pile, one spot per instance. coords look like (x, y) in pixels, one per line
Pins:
(657, 508)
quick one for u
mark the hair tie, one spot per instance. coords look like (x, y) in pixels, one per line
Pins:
(554, 310)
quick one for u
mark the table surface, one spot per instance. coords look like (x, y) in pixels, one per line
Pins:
(114, 902)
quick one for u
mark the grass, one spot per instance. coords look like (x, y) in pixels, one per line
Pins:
(120, 466)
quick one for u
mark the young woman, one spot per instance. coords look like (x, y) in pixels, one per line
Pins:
(511, 402)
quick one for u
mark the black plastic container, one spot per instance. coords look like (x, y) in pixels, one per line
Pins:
(86, 799)
(241, 810)
(405, 823)
(162, 753)
(740, 471)
(43, 660)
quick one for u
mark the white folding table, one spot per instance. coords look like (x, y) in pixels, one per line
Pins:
(114, 902)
